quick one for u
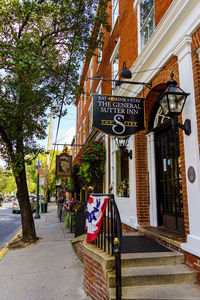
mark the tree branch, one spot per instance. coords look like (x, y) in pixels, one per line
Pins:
(23, 25)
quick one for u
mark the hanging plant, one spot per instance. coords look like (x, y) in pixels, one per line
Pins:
(89, 163)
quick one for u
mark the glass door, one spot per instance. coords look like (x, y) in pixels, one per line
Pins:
(168, 176)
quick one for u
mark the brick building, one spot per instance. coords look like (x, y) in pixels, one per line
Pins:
(158, 190)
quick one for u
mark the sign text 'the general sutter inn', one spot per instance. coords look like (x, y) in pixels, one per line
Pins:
(118, 116)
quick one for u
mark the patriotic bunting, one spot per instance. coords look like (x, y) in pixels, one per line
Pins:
(96, 207)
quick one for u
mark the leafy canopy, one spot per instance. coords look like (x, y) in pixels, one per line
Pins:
(42, 44)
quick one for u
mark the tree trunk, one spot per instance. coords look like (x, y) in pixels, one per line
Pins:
(28, 226)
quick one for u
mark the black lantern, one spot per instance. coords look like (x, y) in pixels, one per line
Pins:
(125, 73)
(172, 102)
(122, 143)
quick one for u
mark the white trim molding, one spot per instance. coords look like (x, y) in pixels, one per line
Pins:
(152, 179)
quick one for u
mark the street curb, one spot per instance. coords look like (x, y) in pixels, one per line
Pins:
(5, 249)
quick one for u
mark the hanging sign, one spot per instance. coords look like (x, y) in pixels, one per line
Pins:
(63, 165)
(96, 207)
(118, 116)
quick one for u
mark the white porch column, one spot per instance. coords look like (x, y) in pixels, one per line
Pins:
(133, 220)
(152, 179)
(191, 147)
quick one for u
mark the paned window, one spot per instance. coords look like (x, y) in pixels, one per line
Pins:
(115, 11)
(122, 173)
(84, 133)
(99, 89)
(90, 118)
(100, 45)
(147, 20)
(85, 94)
(115, 70)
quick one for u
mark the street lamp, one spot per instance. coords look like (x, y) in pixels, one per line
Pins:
(37, 214)
(125, 73)
(122, 143)
(172, 102)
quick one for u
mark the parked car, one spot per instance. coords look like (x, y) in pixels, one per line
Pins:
(16, 208)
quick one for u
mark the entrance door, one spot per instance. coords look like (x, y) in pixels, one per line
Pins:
(168, 176)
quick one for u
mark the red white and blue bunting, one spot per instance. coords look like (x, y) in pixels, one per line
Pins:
(96, 207)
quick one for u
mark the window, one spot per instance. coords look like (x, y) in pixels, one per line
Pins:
(115, 70)
(85, 94)
(122, 173)
(114, 61)
(147, 20)
(84, 133)
(98, 89)
(90, 118)
(100, 45)
(115, 11)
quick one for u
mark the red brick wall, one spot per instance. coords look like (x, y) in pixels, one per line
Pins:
(141, 178)
(196, 70)
(192, 261)
(78, 247)
(160, 9)
(94, 279)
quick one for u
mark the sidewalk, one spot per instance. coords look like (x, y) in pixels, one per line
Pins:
(49, 270)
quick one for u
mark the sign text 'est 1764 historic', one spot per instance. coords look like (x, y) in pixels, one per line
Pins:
(118, 116)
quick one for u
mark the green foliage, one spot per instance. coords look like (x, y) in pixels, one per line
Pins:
(31, 171)
(42, 44)
(69, 184)
(89, 163)
(7, 181)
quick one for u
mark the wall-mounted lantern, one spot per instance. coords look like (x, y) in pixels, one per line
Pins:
(172, 102)
(122, 143)
(125, 73)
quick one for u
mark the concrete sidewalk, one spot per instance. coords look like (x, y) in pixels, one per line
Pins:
(49, 270)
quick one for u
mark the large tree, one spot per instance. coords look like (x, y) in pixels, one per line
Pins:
(42, 43)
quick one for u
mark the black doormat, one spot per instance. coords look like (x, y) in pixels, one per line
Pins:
(140, 244)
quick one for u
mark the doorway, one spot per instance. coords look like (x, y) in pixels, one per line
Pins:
(168, 177)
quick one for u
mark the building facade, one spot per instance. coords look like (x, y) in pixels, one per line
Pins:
(159, 188)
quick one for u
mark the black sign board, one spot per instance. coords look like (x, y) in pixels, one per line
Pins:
(118, 116)
(63, 165)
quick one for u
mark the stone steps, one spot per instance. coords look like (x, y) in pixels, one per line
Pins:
(183, 291)
(154, 275)
(151, 259)
(159, 275)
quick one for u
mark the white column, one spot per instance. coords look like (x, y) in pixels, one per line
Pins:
(133, 220)
(107, 165)
(152, 179)
(191, 147)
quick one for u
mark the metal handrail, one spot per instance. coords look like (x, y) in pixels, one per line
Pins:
(110, 237)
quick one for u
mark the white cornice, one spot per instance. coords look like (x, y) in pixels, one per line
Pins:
(183, 48)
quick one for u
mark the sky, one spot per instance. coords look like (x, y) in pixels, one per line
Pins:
(65, 134)
(66, 130)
